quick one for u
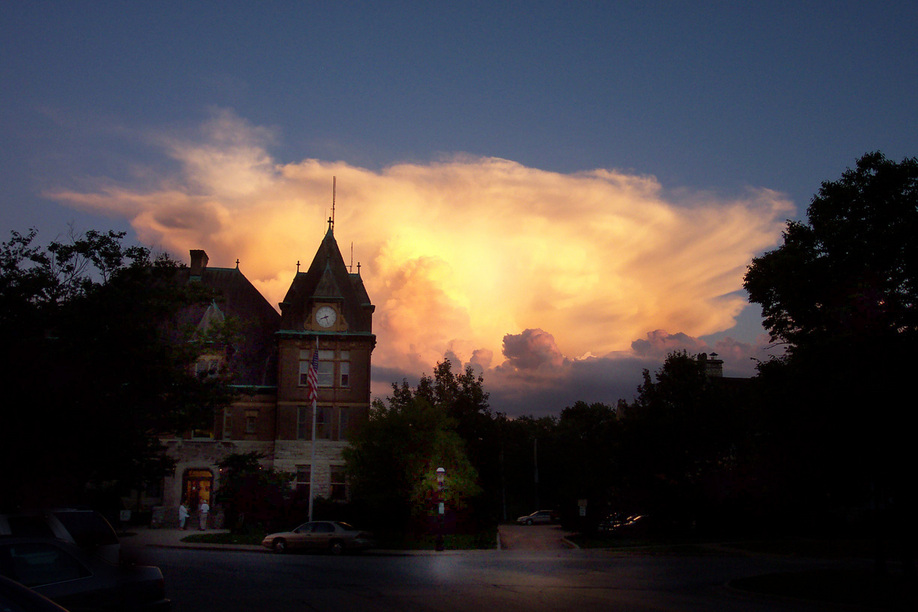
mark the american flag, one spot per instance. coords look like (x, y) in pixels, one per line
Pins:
(312, 377)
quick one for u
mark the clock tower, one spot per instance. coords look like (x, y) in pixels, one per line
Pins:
(326, 311)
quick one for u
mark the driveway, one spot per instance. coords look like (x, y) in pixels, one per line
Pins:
(532, 537)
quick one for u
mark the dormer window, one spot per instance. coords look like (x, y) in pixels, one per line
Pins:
(207, 366)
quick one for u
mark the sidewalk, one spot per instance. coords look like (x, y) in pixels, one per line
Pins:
(135, 538)
(509, 537)
(171, 537)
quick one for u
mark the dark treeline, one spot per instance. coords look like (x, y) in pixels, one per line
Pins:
(681, 453)
(818, 442)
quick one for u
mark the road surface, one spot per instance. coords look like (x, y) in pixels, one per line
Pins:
(454, 581)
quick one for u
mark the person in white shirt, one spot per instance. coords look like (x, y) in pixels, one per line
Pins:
(182, 514)
(203, 509)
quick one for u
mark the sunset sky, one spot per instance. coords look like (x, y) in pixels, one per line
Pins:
(558, 193)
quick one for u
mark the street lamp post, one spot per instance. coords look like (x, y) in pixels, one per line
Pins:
(441, 506)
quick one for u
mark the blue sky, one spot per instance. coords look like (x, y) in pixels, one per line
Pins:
(694, 110)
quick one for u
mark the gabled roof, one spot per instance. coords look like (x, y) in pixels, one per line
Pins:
(327, 280)
(212, 316)
(254, 360)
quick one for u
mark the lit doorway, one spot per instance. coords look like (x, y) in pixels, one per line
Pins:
(197, 486)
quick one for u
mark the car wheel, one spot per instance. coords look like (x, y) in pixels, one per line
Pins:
(529, 522)
(280, 545)
(336, 547)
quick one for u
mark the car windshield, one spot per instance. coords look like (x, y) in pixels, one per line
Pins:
(30, 526)
(38, 563)
(344, 526)
(87, 528)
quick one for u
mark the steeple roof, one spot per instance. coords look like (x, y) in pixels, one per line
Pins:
(327, 280)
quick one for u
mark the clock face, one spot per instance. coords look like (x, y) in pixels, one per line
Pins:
(326, 316)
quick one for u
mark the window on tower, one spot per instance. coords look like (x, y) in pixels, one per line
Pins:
(334, 367)
(344, 369)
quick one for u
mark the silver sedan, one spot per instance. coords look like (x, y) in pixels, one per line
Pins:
(539, 517)
(333, 536)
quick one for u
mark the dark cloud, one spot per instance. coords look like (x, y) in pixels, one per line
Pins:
(481, 360)
(532, 350)
(451, 357)
(660, 343)
(740, 358)
(537, 379)
(191, 215)
(543, 393)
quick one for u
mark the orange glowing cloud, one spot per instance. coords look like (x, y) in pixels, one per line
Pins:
(459, 253)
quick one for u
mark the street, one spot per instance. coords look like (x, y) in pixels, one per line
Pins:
(226, 581)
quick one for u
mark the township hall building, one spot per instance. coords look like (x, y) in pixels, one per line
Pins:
(327, 307)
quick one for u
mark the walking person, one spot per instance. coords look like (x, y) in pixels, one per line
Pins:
(182, 514)
(203, 509)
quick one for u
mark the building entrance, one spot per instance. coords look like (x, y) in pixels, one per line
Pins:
(197, 486)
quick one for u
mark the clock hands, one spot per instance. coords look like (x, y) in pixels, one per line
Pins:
(325, 317)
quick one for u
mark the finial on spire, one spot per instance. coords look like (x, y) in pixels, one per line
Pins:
(298, 266)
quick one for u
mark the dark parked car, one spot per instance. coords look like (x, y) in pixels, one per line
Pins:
(539, 517)
(333, 536)
(16, 598)
(76, 580)
(86, 528)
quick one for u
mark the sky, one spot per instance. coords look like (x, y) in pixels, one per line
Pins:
(558, 194)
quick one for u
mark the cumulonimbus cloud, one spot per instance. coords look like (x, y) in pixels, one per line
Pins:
(460, 252)
(534, 349)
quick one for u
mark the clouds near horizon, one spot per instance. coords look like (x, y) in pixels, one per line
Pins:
(468, 257)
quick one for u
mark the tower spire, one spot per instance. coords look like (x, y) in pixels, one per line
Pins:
(331, 221)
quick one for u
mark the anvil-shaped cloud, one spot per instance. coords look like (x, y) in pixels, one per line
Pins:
(465, 257)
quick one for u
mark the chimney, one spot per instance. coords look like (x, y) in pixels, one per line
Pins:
(713, 367)
(198, 263)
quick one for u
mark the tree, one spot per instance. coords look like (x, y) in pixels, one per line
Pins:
(585, 445)
(392, 461)
(849, 276)
(530, 464)
(678, 431)
(250, 493)
(465, 401)
(97, 364)
(842, 293)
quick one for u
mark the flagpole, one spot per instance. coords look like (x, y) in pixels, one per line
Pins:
(312, 461)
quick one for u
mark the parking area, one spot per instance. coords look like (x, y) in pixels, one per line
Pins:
(533, 537)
